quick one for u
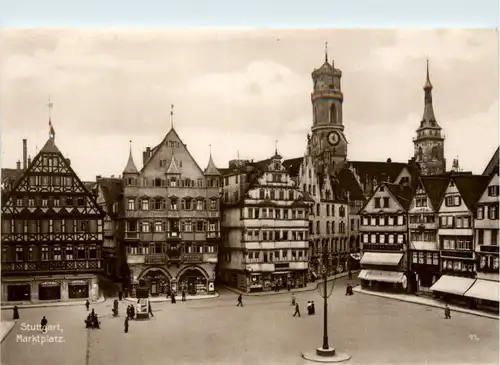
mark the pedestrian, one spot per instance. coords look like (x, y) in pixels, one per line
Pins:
(126, 325)
(183, 295)
(44, 324)
(173, 298)
(87, 305)
(15, 312)
(240, 301)
(349, 275)
(150, 311)
(447, 312)
(132, 311)
(293, 299)
(297, 310)
(347, 289)
(120, 294)
(313, 308)
(309, 308)
(88, 322)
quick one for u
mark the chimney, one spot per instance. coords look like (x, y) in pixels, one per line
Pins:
(25, 153)
(18, 164)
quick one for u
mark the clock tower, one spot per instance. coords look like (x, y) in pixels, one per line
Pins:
(327, 144)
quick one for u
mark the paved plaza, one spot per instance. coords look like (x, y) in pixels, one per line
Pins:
(371, 329)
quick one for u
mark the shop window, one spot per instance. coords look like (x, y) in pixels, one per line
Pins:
(81, 253)
(56, 253)
(19, 254)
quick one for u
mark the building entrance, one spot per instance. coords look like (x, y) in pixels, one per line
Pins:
(157, 282)
(193, 282)
(19, 292)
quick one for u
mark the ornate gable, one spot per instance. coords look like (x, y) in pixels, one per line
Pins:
(159, 162)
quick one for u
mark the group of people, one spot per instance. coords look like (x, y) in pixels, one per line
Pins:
(172, 296)
(92, 320)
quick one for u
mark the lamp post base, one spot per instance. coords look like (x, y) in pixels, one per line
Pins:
(325, 355)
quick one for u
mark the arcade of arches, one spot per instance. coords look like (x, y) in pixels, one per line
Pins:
(193, 280)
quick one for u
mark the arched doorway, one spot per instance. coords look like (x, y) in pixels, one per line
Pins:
(193, 281)
(157, 281)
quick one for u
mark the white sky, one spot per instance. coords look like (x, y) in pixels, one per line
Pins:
(242, 90)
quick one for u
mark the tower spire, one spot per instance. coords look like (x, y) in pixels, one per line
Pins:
(130, 168)
(276, 147)
(52, 132)
(428, 108)
(326, 52)
(428, 84)
(171, 116)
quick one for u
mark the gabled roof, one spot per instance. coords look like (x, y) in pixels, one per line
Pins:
(293, 165)
(50, 146)
(492, 166)
(377, 170)
(350, 183)
(435, 187)
(403, 194)
(471, 187)
(211, 169)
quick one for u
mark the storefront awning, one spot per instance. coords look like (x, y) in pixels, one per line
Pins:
(356, 256)
(483, 289)
(380, 275)
(381, 258)
(452, 284)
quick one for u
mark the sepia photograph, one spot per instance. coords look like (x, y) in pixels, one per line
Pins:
(249, 196)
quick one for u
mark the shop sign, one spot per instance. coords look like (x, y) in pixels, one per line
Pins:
(50, 283)
(79, 282)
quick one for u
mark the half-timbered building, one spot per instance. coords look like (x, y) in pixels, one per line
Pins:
(51, 233)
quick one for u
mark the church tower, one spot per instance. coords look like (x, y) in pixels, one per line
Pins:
(429, 143)
(327, 144)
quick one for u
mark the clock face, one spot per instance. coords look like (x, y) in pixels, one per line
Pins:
(334, 138)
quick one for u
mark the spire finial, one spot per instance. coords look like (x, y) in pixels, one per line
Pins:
(428, 84)
(210, 147)
(52, 132)
(276, 147)
(50, 105)
(326, 51)
(130, 145)
(172, 116)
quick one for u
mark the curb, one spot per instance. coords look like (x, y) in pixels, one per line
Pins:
(6, 333)
(215, 296)
(101, 299)
(284, 291)
(430, 304)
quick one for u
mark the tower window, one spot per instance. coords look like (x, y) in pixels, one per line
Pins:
(419, 155)
(333, 114)
(434, 153)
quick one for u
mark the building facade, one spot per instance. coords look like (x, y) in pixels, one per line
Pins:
(172, 220)
(52, 233)
(265, 227)
(384, 238)
(329, 220)
(429, 142)
(423, 221)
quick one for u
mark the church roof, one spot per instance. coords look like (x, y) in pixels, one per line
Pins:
(130, 168)
(211, 169)
(172, 168)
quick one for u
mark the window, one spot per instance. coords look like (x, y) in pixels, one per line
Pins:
(493, 190)
(493, 213)
(494, 237)
(317, 228)
(373, 221)
(145, 204)
(328, 210)
(373, 238)
(173, 203)
(69, 252)
(377, 202)
(131, 204)
(213, 204)
(290, 195)
(188, 226)
(480, 213)
(200, 226)
(145, 227)
(414, 257)
(317, 209)
(400, 220)
(327, 227)
(453, 201)
(365, 221)
(19, 254)
(421, 257)
(199, 204)
(81, 253)
(391, 239)
(45, 253)
(386, 202)
(56, 253)
(158, 226)
(391, 220)
(261, 194)
(400, 238)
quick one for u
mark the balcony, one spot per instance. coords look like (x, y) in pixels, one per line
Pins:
(132, 236)
(89, 265)
(213, 214)
(213, 236)
(488, 249)
(156, 259)
(192, 258)
(389, 247)
(173, 236)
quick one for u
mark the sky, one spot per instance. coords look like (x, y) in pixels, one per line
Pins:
(240, 91)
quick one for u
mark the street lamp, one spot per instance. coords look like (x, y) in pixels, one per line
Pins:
(325, 354)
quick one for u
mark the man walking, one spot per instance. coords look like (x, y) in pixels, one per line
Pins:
(240, 301)
(350, 275)
(447, 312)
(150, 310)
(87, 305)
(44, 324)
(297, 310)
(183, 295)
(126, 325)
